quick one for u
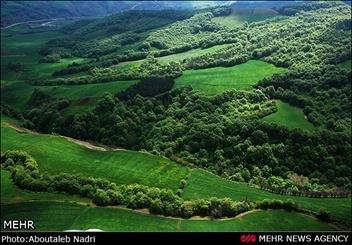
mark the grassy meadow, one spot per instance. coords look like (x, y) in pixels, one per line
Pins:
(21, 44)
(289, 116)
(240, 16)
(56, 154)
(219, 79)
(70, 216)
(178, 57)
(83, 97)
(191, 53)
(202, 184)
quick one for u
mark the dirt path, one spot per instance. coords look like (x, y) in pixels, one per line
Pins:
(246, 213)
(85, 144)
(19, 129)
(47, 21)
(76, 141)
(30, 21)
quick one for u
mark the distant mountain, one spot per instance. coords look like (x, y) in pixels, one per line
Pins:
(265, 4)
(21, 11)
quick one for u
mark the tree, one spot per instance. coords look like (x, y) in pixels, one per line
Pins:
(258, 137)
(187, 209)
(323, 215)
(101, 198)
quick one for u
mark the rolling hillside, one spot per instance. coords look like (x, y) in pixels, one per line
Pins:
(120, 166)
(73, 215)
(38, 10)
(176, 116)
(127, 167)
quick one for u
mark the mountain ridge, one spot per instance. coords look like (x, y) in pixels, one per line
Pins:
(25, 11)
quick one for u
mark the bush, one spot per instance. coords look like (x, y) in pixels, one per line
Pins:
(50, 58)
(323, 215)
(187, 209)
(101, 198)
(156, 207)
(25, 174)
(183, 183)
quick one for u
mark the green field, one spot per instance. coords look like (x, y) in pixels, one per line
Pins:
(346, 65)
(202, 184)
(46, 215)
(125, 220)
(178, 57)
(218, 79)
(70, 214)
(127, 65)
(191, 53)
(83, 97)
(20, 46)
(126, 167)
(240, 16)
(16, 94)
(56, 154)
(33, 69)
(74, 216)
(289, 116)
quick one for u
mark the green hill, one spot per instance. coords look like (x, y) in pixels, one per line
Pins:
(20, 11)
(182, 99)
(202, 184)
(126, 167)
(56, 154)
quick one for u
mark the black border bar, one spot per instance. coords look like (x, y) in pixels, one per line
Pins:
(249, 238)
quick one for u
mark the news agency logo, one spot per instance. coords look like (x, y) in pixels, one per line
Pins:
(248, 238)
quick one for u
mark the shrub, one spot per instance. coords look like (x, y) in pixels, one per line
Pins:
(101, 198)
(323, 215)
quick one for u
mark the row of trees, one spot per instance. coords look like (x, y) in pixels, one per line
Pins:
(149, 70)
(25, 174)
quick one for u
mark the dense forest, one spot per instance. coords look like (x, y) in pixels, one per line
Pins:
(224, 133)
